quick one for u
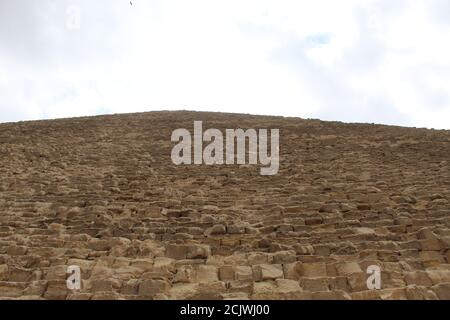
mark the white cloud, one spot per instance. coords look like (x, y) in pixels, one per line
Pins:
(386, 61)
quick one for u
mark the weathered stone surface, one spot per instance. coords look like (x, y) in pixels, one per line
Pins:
(103, 194)
(3, 272)
(153, 287)
(414, 292)
(218, 229)
(56, 290)
(442, 290)
(176, 251)
(184, 274)
(264, 272)
(366, 295)
(243, 273)
(418, 278)
(314, 284)
(226, 273)
(348, 268)
(284, 257)
(311, 270)
(207, 273)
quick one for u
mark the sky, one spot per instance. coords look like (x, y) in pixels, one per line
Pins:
(373, 61)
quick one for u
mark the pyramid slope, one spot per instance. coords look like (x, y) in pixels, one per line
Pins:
(102, 193)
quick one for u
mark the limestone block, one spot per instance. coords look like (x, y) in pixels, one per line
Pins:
(206, 273)
(152, 287)
(263, 272)
(243, 273)
(311, 270)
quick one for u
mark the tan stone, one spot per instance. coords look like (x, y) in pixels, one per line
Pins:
(101, 272)
(241, 286)
(339, 283)
(11, 289)
(102, 193)
(438, 276)
(366, 295)
(235, 296)
(358, 281)
(348, 268)
(176, 251)
(105, 285)
(258, 258)
(218, 229)
(393, 294)
(79, 296)
(264, 287)
(56, 290)
(182, 291)
(226, 273)
(209, 290)
(164, 264)
(3, 272)
(17, 274)
(331, 295)
(184, 274)
(57, 273)
(292, 271)
(198, 251)
(304, 249)
(262, 272)
(105, 296)
(282, 257)
(418, 278)
(445, 243)
(311, 270)
(243, 273)
(130, 287)
(142, 264)
(36, 288)
(430, 245)
(442, 290)
(286, 285)
(314, 284)
(414, 292)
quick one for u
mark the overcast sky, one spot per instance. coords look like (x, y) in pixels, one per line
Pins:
(378, 61)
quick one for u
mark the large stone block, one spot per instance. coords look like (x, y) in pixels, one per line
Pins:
(206, 273)
(194, 251)
(311, 270)
(442, 290)
(418, 278)
(226, 273)
(198, 251)
(263, 272)
(152, 287)
(314, 284)
(348, 268)
(243, 273)
(282, 257)
(184, 274)
(175, 251)
(3, 272)
(56, 290)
